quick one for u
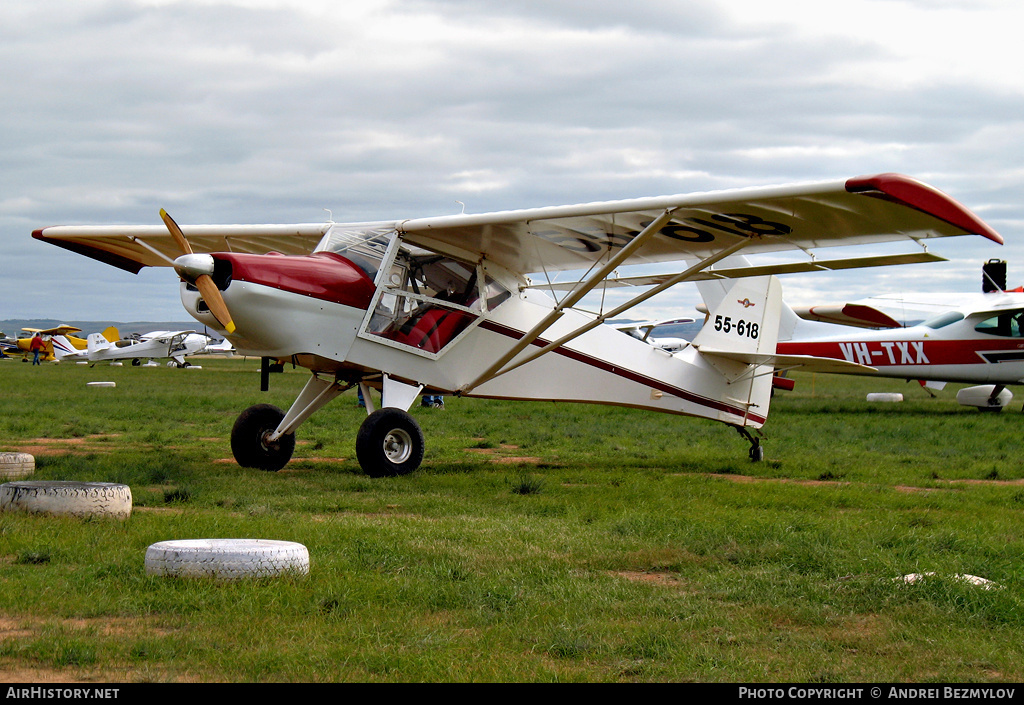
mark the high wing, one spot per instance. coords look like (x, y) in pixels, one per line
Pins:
(851, 314)
(699, 226)
(164, 335)
(62, 329)
(886, 207)
(132, 247)
(902, 310)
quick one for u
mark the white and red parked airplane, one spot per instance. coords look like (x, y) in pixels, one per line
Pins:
(444, 304)
(965, 338)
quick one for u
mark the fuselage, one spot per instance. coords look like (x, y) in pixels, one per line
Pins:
(958, 346)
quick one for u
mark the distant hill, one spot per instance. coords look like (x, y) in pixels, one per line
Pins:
(12, 326)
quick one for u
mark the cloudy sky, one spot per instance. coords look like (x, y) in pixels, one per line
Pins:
(249, 111)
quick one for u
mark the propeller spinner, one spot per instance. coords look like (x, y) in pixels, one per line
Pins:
(197, 269)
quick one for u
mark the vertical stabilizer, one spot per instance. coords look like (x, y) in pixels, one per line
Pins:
(96, 342)
(713, 292)
(742, 328)
(61, 347)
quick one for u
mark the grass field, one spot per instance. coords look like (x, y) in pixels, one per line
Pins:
(537, 542)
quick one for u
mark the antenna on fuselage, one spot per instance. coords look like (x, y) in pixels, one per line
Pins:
(330, 216)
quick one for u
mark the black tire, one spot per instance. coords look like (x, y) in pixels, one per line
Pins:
(756, 453)
(389, 443)
(248, 439)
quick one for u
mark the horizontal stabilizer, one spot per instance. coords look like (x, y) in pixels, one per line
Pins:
(807, 363)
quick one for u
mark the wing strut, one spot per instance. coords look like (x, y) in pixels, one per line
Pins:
(582, 288)
(158, 253)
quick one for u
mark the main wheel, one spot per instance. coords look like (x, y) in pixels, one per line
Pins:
(389, 443)
(249, 439)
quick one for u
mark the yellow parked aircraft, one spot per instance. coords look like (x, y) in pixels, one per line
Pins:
(22, 344)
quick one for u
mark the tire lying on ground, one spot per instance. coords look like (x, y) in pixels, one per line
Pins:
(226, 559)
(14, 466)
(885, 396)
(60, 497)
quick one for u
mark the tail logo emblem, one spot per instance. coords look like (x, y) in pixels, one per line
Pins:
(746, 303)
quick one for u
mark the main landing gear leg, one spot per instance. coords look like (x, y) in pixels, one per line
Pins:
(756, 453)
(993, 399)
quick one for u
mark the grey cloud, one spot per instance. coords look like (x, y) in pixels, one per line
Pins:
(227, 114)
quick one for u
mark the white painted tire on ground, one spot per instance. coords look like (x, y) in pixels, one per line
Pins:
(227, 559)
(885, 396)
(964, 578)
(14, 466)
(81, 499)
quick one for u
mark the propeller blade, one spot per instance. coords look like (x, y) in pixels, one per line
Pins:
(179, 237)
(204, 282)
(213, 299)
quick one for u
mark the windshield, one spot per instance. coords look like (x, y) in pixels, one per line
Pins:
(943, 319)
(363, 245)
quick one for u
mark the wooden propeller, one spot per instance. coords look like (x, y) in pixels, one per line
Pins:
(204, 282)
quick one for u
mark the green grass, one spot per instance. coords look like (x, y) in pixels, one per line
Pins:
(537, 542)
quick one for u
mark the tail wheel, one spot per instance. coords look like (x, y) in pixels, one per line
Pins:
(249, 442)
(389, 443)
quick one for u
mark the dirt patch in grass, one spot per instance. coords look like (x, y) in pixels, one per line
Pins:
(29, 627)
(749, 478)
(59, 446)
(502, 455)
(162, 510)
(652, 577)
(26, 628)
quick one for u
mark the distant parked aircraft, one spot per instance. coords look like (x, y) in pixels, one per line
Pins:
(175, 345)
(21, 345)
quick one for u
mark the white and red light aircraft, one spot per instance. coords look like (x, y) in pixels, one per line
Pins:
(111, 347)
(444, 304)
(966, 338)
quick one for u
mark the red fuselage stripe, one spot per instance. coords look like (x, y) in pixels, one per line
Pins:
(903, 353)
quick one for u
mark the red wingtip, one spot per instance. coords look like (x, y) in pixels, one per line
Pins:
(924, 198)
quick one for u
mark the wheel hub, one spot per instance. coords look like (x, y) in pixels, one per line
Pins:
(265, 443)
(398, 445)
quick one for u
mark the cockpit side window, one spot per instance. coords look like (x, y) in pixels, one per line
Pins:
(1006, 325)
(427, 300)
